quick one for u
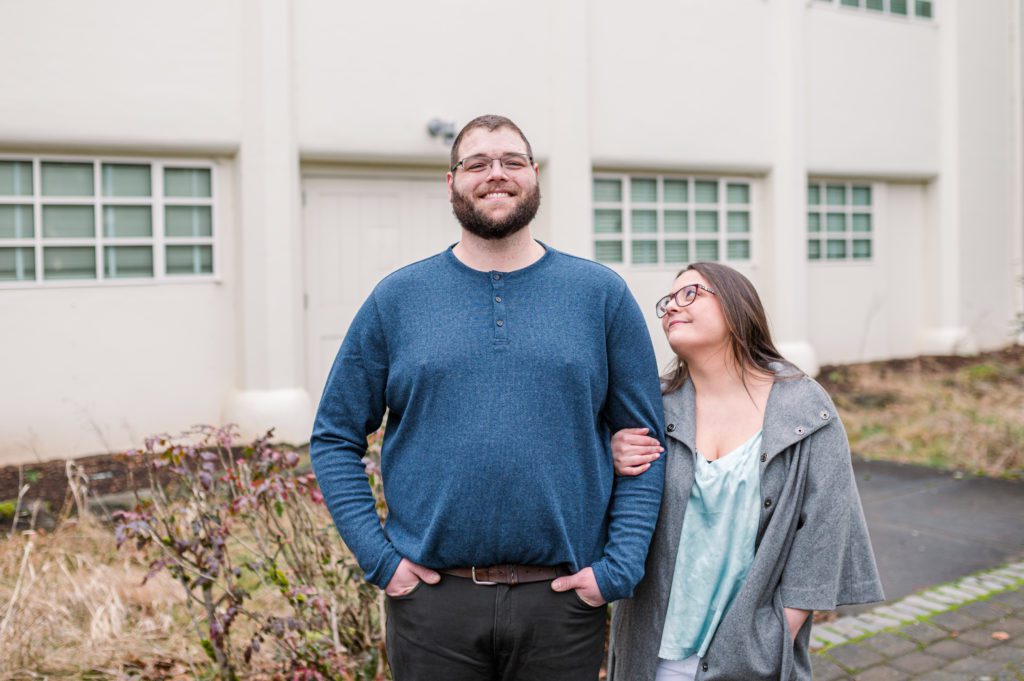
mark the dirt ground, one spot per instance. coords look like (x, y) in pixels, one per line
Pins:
(957, 413)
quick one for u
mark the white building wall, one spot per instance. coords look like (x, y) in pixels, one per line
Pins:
(987, 176)
(872, 93)
(922, 110)
(119, 74)
(682, 85)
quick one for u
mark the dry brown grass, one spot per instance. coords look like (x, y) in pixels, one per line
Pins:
(71, 606)
(956, 413)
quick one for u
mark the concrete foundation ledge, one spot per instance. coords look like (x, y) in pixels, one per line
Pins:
(802, 354)
(948, 340)
(289, 411)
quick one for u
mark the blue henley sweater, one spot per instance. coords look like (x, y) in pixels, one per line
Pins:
(502, 390)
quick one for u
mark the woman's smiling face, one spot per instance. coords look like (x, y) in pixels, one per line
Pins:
(700, 325)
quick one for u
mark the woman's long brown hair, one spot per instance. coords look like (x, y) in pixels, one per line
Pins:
(750, 339)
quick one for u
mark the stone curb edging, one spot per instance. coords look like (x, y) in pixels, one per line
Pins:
(913, 608)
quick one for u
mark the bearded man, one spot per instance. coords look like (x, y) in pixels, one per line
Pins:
(503, 366)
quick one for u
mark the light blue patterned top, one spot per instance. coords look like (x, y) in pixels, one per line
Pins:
(716, 548)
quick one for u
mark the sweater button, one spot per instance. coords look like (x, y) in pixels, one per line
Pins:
(670, 427)
(497, 299)
(800, 430)
(500, 322)
(704, 667)
(497, 277)
(764, 456)
(767, 503)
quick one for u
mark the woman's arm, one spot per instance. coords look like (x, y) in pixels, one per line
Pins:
(633, 451)
(795, 619)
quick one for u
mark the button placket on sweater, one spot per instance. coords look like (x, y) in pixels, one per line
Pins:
(499, 308)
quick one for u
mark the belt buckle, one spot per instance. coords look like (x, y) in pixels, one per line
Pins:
(477, 581)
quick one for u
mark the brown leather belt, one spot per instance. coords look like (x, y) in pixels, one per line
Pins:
(509, 574)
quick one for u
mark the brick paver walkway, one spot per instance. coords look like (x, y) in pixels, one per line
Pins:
(982, 640)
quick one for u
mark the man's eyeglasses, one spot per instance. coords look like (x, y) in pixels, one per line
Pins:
(682, 297)
(511, 162)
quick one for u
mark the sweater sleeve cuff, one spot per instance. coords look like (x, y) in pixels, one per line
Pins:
(824, 598)
(385, 569)
(609, 590)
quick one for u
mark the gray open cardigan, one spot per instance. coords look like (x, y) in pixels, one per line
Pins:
(812, 549)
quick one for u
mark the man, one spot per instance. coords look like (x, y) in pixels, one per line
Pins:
(503, 365)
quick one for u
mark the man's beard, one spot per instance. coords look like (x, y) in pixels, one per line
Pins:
(475, 222)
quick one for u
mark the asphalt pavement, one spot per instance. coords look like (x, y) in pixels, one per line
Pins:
(930, 527)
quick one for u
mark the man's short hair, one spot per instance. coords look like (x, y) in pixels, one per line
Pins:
(490, 122)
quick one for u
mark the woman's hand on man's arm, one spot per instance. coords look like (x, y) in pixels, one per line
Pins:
(633, 451)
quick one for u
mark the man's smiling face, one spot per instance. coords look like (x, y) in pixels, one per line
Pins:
(496, 202)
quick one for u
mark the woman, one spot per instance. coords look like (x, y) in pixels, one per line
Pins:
(760, 522)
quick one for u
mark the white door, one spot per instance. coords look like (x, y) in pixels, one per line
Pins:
(359, 230)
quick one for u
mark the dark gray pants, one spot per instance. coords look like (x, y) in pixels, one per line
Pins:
(460, 631)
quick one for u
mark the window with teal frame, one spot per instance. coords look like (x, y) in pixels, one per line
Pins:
(840, 224)
(88, 220)
(666, 220)
(918, 9)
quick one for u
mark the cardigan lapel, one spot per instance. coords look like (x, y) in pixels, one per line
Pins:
(796, 408)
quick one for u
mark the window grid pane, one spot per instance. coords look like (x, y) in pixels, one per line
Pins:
(813, 249)
(189, 260)
(677, 251)
(127, 221)
(705, 191)
(608, 251)
(898, 7)
(706, 221)
(67, 179)
(836, 222)
(645, 252)
(836, 249)
(125, 262)
(737, 193)
(69, 222)
(836, 194)
(187, 182)
(197, 221)
(16, 178)
(17, 222)
(861, 196)
(608, 191)
(923, 9)
(644, 221)
(707, 250)
(677, 221)
(737, 249)
(607, 221)
(676, 191)
(643, 190)
(17, 264)
(126, 180)
(738, 221)
(64, 262)
(813, 194)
